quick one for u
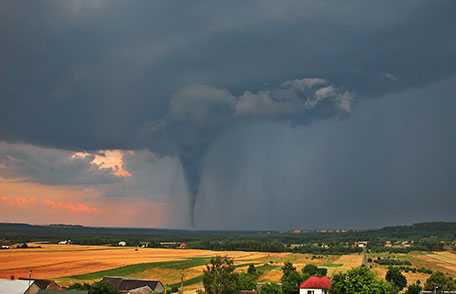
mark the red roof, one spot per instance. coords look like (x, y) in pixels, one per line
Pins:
(315, 282)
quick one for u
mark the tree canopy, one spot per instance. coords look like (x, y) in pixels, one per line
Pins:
(414, 288)
(290, 279)
(219, 276)
(396, 278)
(359, 281)
(102, 288)
(439, 281)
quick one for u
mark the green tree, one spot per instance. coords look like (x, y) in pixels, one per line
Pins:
(414, 288)
(102, 288)
(290, 279)
(359, 281)
(396, 278)
(252, 269)
(219, 276)
(271, 288)
(247, 281)
(310, 269)
(322, 271)
(438, 281)
(313, 270)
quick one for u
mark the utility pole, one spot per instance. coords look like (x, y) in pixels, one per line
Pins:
(29, 281)
(181, 290)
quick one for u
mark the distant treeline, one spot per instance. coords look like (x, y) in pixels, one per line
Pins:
(423, 236)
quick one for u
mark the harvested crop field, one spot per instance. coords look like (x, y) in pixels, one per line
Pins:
(72, 263)
(53, 261)
(444, 261)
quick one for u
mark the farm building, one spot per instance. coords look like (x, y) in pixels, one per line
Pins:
(134, 286)
(26, 286)
(122, 243)
(360, 244)
(315, 285)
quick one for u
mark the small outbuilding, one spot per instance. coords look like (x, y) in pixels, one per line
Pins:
(134, 286)
(315, 285)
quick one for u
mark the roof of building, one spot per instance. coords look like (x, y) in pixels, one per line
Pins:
(247, 292)
(121, 283)
(71, 291)
(41, 283)
(14, 286)
(315, 282)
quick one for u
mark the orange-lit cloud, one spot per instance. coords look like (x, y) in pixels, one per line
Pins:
(45, 204)
(70, 207)
(19, 201)
(107, 159)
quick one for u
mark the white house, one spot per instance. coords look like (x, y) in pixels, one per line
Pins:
(361, 244)
(27, 286)
(315, 285)
(122, 243)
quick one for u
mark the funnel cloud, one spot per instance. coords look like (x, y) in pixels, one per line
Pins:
(200, 114)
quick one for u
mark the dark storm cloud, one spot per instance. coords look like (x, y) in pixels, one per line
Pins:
(391, 162)
(173, 76)
(72, 71)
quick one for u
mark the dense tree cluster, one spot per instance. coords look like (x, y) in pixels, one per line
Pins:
(359, 280)
(396, 278)
(440, 282)
(391, 261)
(220, 278)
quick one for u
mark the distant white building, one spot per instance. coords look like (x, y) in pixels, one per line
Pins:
(65, 242)
(315, 285)
(122, 243)
(361, 244)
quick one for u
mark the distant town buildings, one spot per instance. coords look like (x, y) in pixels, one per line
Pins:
(398, 244)
(174, 244)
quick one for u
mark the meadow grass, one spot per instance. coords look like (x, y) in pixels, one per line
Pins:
(332, 264)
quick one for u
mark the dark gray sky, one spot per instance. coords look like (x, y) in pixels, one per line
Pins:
(273, 113)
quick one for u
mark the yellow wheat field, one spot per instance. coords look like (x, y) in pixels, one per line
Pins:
(53, 261)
